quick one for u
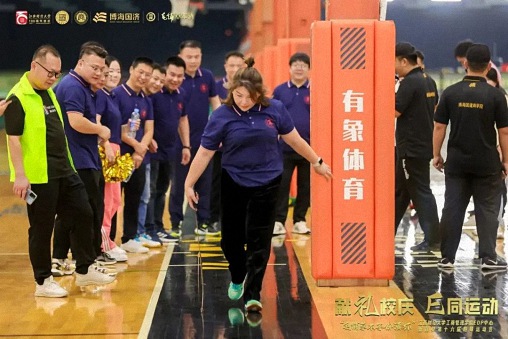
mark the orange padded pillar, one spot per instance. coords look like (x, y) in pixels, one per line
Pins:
(352, 103)
(352, 9)
(321, 136)
(384, 192)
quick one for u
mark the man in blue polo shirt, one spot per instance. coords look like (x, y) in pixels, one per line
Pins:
(170, 120)
(77, 100)
(199, 85)
(129, 96)
(295, 95)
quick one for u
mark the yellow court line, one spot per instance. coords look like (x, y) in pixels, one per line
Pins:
(150, 310)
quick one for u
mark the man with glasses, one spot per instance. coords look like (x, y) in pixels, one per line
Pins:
(40, 161)
(77, 99)
(130, 96)
(295, 95)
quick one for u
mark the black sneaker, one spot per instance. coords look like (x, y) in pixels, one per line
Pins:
(446, 263)
(490, 264)
(202, 229)
(436, 247)
(105, 259)
(213, 229)
(421, 247)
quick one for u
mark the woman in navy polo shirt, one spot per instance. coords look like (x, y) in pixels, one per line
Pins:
(248, 126)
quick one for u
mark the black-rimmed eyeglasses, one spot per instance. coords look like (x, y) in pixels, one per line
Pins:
(50, 73)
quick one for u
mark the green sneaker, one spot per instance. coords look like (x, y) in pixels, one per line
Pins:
(235, 291)
(253, 306)
(235, 316)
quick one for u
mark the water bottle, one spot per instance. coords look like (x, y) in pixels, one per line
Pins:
(132, 124)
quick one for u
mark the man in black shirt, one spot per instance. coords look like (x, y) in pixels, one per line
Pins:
(414, 104)
(474, 109)
(43, 174)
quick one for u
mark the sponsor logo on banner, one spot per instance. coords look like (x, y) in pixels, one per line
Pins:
(21, 17)
(81, 17)
(100, 17)
(62, 17)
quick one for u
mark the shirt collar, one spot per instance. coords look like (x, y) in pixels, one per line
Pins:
(131, 92)
(78, 77)
(166, 90)
(255, 108)
(474, 78)
(198, 74)
(306, 84)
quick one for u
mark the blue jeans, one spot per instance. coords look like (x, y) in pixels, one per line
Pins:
(143, 203)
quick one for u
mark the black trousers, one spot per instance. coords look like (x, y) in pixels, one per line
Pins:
(216, 184)
(486, 192)
(292, 161)
(66, 197)
(161, 174)
(94, 186)
(177, 193)
(412, 182)
(132, 196)
(248, 217)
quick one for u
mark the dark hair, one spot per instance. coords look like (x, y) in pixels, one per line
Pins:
(462, 47)
(492, 75)
(233, 54)
(478, 57)
(43, 50)
(110, 59)
(158, 67)
(303, 57)
(252, 80)
(407, 51)
(190, 44)
(419, 54)
(93, 47)
(175, 61)
(142, 60)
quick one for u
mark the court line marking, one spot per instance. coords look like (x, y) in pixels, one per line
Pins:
(150, 310)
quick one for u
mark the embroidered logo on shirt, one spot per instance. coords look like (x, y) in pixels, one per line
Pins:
(143, 114)
(203, 88)
(306, 99)
(269, 122)
(180, 106)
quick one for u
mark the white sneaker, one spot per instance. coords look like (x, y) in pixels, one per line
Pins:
(118, 250)
(94, 276)
(147, 241)
(279, 228)
(50, 289)
(300, 227)
(117, 255)
(133, 246)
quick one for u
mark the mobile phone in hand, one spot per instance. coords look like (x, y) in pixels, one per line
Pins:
(30, 196)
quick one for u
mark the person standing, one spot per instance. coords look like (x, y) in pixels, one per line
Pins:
(170, 121)
(248, 126)
(474, 110)
(415, 101)
(77, 99)
(232, 63)
(129, 97)
(295, 95)
(40, 161)
(199, 86)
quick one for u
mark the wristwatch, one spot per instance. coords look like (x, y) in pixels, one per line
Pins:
(318, 163)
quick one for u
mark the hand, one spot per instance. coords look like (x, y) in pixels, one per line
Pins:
(104, 133)
(20, 186)
(324, 170)
(505, 170)
(136, 124)
(3, 106)
(438, 163)
(138, 160)
(152, 148)
(192, 197)
(110, 154)
(140, 148)
(186, 155)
